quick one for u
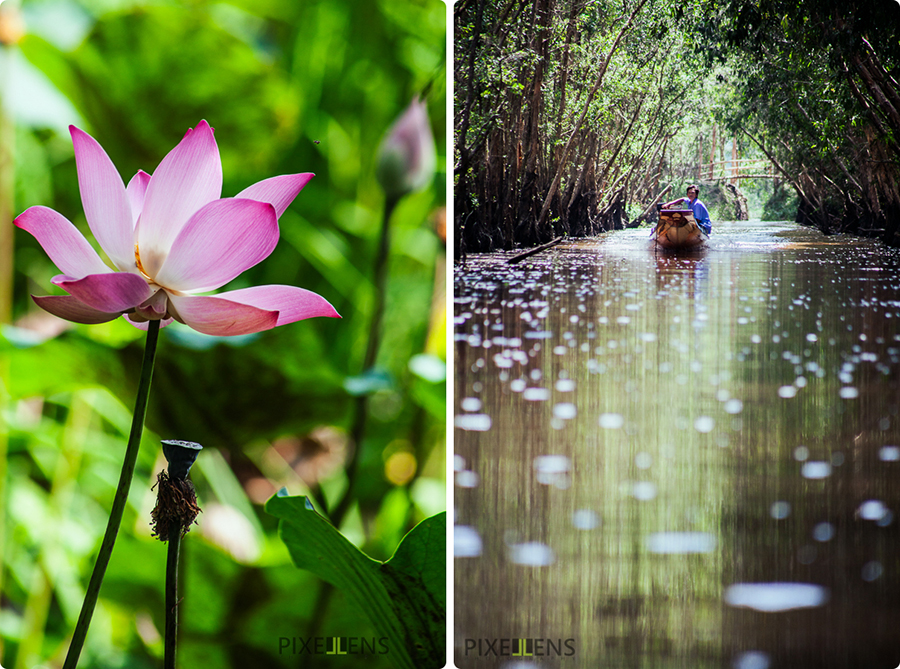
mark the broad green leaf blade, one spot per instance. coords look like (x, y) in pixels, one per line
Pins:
(315, 545)
(416, 578)
(50, 60)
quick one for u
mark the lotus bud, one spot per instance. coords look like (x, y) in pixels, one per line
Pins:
(406, 157)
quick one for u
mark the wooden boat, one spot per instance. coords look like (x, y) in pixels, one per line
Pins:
(677, 229)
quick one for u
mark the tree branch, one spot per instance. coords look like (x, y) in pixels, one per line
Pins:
(565, 154)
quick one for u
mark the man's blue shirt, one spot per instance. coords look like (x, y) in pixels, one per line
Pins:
(701, 214)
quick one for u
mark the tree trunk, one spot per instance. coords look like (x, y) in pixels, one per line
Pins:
(554, 185)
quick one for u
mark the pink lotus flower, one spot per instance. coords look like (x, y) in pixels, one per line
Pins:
(170, 236)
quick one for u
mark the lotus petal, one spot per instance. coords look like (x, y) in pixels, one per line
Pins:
(72, 309)
(291, 303)
(137, 189)
(137, 321)
(154, 308)
(114, 291)
(213, 315)
(189, 177)
(219, 242)
(105, 201)
(278, 191)
(66, 246)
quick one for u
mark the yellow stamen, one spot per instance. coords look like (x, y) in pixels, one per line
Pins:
(137, 260)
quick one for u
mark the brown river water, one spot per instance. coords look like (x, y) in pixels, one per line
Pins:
(679, 461)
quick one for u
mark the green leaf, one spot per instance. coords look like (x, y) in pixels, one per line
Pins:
(68, 362)
(404, 598)
(55, 64)
(416, 578)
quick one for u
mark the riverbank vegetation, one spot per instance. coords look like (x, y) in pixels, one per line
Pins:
(573, 116)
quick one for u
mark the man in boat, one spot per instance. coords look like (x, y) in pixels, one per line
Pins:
(701, 214)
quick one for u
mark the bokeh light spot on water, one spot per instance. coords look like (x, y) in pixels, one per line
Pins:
(889, 453)
(459, 463)
(644, 491)
(475, 422)
(823, 532)
(467, 479)
(611, 421)
(564, 411)
(503, 361)
(780, 510)
(787, 392)
(565, 385)
(801, 453)
(536, 394)
(849, 392)
(552, 464)
(733, 406)
(872, 509)
(772, 597)
(553, 470)
(752, 659)
(585, 519)
(680, 543)
(470, 404)
(872, 571)
(815, 469)
(466, 541)
(531, 554)
(643, 460)
(704, 424)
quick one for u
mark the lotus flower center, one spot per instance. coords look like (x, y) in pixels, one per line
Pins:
(137, 260)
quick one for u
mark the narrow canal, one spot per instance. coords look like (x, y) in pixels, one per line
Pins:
(667, 461)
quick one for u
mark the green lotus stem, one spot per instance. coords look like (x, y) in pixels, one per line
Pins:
(174, 549)
(358, 429)
(381, 262)
(120, 500)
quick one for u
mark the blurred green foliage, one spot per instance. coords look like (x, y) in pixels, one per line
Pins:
(289, 87)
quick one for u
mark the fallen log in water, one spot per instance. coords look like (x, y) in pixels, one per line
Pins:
(536, 249)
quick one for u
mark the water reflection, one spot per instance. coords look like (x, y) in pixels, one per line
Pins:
(775, 596)
(680, 462)
(681, 542)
